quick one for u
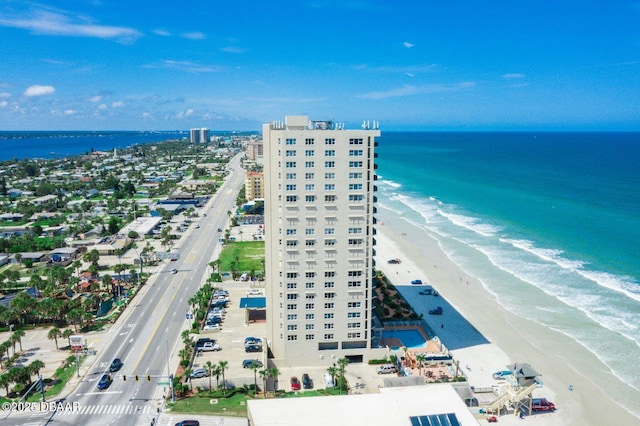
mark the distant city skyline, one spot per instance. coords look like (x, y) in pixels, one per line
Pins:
(412, 65)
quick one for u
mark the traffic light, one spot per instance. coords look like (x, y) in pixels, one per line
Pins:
(124, 378)
(137, 378)
(148, 378)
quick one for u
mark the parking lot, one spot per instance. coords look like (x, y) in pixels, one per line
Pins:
(231, 339)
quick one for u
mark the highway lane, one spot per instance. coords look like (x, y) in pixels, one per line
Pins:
(147, 335)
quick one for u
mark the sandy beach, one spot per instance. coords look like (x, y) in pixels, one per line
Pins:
(484, 337)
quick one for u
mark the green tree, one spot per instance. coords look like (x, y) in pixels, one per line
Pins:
(255, 367)
(224, 365)
(66, 334)
(17, 336)
(53, 334)
(209, 366)
(35, 367)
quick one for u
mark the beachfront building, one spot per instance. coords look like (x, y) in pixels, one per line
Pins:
(253, 185)
(255, 151)
(319, 184)
(200, 135)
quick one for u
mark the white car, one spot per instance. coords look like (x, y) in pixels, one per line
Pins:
(174, 271)
(210, 346)
(212, 327)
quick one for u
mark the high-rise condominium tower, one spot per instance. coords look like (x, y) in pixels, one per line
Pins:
(319, 185)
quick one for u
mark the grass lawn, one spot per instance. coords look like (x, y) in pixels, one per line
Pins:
(236, 405)
(249, 255)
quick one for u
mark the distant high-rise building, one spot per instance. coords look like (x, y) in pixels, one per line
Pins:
(200, 135)
(319, 185)
(253, 185)
(254, 150)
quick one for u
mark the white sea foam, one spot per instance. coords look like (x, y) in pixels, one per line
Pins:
(389, 183)
(471, 223)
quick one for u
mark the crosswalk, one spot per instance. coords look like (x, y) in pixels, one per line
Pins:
(109, 409)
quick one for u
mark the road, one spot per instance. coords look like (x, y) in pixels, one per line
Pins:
(147, 335)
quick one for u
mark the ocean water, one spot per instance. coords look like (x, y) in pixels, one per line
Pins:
(60, 144)
(552, 219)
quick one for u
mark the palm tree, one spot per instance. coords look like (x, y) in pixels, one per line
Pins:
(18, 335)
(265, 375)
(35, 367)
(4, 347)
(216, 372)
(187, 374)
(420, 358)
(223, 366)
(67, 333)
(5, 382)
(333, 371)
(274, 372)
(255, 367)
(342, 364)
(53, 334)
(209, 367)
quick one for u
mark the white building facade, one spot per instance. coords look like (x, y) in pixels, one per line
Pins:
(319, 215)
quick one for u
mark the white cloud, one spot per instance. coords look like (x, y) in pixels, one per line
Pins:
(409, 74)
(102, 106)
(5, 95)
(38, 90)
(513, 75)
(408, 90)
(408, 45)
(55, 23)
(70, 112)
(232, 49)
(183, 114)
(96, 98)
(161, 32)
(3, 104)
(186, 66)
(117, 104)
(196, 35)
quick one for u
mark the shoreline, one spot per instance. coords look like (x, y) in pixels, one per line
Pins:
(509, 338)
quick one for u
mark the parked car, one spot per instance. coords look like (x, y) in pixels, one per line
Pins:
(105, 381)
(212, 327)
(295, 383)
(115, 365)
(393, 261)
(252, 341)
(254, 292)
(436, 311)
(386, 369)
(425, 292)
(253, 348)
(416, 282)
(501, 374)
(247, 363)
(174, 271)
(328, 380)
(201, 341)
(306, 381)
(199, 372)
(188, 423)
(541, 404)
(210, 346)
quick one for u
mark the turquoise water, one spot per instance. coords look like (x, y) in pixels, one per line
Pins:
(410, 338)
(552, 219)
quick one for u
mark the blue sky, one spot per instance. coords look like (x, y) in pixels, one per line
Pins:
(411, 65)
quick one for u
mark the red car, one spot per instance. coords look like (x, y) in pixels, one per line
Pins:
(541, 404)
(295, 383)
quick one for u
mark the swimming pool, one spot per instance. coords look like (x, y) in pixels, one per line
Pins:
(411, 338)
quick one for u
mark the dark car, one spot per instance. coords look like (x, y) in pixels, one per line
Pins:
(115, 365)
(541, 404)
(252, 341)
(295, 383)
(436, 311)
(416, 282)
(105, 381)
(188, 423)
(253, 348)
(247, 363)
(425, 292)
(201, 341)
(306, 381)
